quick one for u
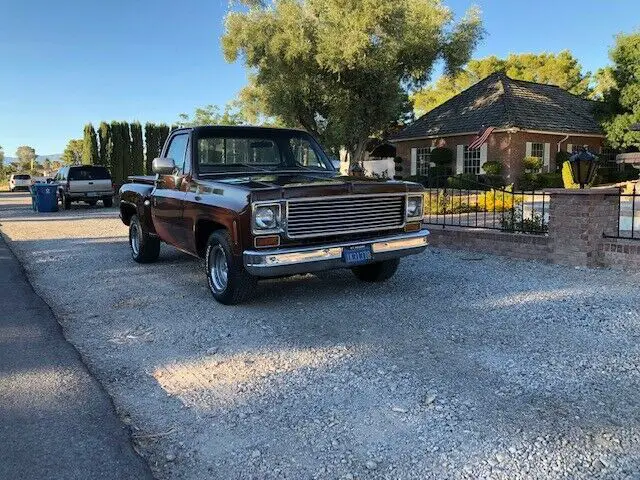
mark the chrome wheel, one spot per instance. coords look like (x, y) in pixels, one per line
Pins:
(218, 269)
(134, 238)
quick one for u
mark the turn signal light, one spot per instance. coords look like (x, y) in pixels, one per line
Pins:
(412, 227)
(267, 241)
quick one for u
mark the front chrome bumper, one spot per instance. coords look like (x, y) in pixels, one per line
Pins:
(290, 261)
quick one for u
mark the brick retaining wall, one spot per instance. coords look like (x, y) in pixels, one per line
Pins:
(525, 246)
(620, 253)
(577, 221)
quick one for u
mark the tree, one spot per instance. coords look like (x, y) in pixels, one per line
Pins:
(73, 152)
(210, 115)
(26, 158)
(561, 69)
(1, 156)
(151, 146)
(163, 133)
(622, 97)
(47, 165)
(116, 165)
(106, 147)
(127, 159)
(342, 70)
(90, 146)
(137, 149)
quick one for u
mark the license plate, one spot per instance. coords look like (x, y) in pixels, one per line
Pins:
(356, 255)
(91, 194)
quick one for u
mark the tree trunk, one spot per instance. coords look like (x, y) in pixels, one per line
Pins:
(357, 154)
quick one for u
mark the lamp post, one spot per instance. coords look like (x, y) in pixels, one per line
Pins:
(584, 165)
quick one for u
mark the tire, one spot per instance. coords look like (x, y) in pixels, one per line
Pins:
(108, 202)
(92, 202)
(66, 202)
(229, 282)
(377, 272)
(144, 247)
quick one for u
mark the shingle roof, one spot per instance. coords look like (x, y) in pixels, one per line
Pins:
(502, 102)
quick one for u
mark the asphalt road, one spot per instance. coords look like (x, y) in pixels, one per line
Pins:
(56, 421)
(462, 366)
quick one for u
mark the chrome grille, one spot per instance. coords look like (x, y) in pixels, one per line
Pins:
(341, 215)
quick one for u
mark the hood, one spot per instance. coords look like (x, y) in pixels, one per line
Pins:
(308, 184)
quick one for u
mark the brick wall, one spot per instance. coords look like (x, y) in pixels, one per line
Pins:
(508, 148)
(528, 247)
(620, 253)
(577, 222)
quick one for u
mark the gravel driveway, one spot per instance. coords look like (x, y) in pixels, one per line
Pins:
(462, 366)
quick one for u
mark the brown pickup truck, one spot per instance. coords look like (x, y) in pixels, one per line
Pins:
(263, 202)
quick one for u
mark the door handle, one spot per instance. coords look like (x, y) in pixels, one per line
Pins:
(197, 198)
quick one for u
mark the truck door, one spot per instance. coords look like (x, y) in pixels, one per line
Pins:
(168, 199)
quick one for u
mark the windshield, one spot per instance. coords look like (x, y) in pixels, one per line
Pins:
(273, 151)
(22, 177)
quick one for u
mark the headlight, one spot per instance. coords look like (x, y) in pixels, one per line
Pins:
(266, 217)
(414, 207)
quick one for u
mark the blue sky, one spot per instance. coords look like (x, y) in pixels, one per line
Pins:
(63, 64)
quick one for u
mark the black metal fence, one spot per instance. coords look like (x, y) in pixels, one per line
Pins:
(478, 205)
(628, 215)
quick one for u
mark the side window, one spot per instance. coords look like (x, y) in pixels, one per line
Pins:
(178, 151)
(304, 154)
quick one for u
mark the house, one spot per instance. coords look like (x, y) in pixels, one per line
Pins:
(528, 119)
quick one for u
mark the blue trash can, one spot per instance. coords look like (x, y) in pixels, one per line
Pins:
(46, 197)
(34, 198)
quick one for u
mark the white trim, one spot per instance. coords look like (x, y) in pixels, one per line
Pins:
(483, 155)
(459, 159)
(414, 161)
(572, 134)
(547, 156)
(527, 150)
(501, 130)
(444, 135)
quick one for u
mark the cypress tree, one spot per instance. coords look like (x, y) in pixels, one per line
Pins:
(163, 133)
(105, 144)
(151, 146)
(89, 146)
(116, 154)
(127, 161)
(137, 150)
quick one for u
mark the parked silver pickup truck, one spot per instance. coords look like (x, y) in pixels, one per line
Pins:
(84, 183)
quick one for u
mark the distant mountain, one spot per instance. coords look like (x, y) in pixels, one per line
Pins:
(40, 158)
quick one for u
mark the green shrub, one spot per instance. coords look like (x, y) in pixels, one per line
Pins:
(493, 167)
(538, 181)
(612, 174)
(464, 181)
(513, 221)
(553, 180)
(561, 157)
(493, 181)
(532, 164)
(442, 156)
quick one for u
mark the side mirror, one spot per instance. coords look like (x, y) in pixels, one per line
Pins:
(163, 166)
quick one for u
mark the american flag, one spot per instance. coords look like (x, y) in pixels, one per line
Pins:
(483, 134)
